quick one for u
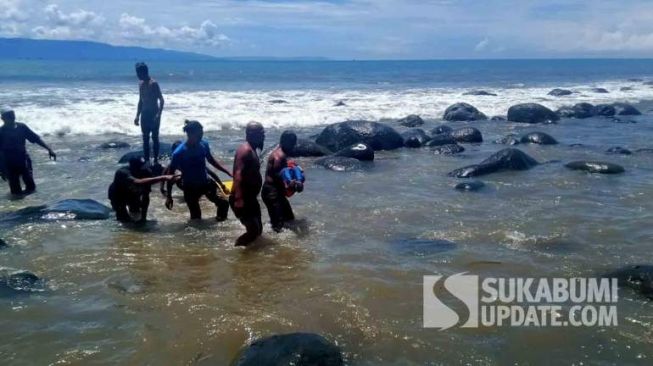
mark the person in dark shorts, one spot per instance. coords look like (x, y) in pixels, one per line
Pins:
(274, 189)
(129, 192)
(190, 158)
(247, 184)
(150, 107)
(16, 164)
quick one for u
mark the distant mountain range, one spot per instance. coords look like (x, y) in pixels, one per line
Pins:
(39, 49)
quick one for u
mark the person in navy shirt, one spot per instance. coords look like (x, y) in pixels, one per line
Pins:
(16, 163)
(190, 158)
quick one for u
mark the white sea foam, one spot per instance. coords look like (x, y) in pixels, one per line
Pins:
(98, 111)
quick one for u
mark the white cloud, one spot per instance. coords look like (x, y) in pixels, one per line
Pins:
(10, 11)
(79, 24)
(482, 45)
(137, 29)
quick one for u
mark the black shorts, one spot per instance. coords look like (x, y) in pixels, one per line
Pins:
(149, 123)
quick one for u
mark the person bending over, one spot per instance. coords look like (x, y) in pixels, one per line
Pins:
(247, 184)
(190, 158)
(130, 190)
(150, 107)
(16, 161)
(275, 188)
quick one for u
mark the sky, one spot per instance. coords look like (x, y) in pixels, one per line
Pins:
(347, 29)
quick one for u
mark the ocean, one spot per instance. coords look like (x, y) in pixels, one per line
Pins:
(175, 292)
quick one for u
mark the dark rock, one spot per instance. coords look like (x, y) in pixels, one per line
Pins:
(362, 152)
(467, 134)
(164, 151)
(596, 167)
(340, 104)
(278, 101)
(339, 163)
(411, 121)
(619, 120)
(20, 281)
(422, 247)
(70, 209)
(440, 130)
(448, 149)
(480, 93)
(471, 186)
(626, 88)
(506, 159)
(625, 109)
(308, 148)
(560, 92)
(498, 118)
(619, 150)
(114, 145)
(600, 90)
(638, 278)
(378, 136)
(3, 244)
(583, 110)
(439, 140)
(531, 113)
(566, 112)
(538, 138)
(298, 349)
(463, 112)
(636, 80)
(644, 150)
(511, 139)
(415, 137)
(605, 110)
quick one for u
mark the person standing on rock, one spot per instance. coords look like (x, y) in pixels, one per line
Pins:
(247, 184)
(148, 112)
(16, 161)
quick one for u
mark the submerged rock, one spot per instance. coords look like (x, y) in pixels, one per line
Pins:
(377, 135)
(278, 101)
(298, 349)
(339, 163)
(412, 120)
(467, 134)
(114, 145)
(441, 130)
(560, 92)
(531, 113)
(165, 150)
(360, 151)
(340, 103)
(638, 278)
(619, 151)
(308, 148)
(498, 118)
(511, 139)
(596, 167)
(415, 137)
(626, 88)
(463, 112)
(480, 93)
(70, 209)
(471, 186)
(538, 138)
(506, 159)
(20, 281)
(605, 110)
(625, 109)
(3, 244)
(439, 140)
(600, 90)
(449, 149)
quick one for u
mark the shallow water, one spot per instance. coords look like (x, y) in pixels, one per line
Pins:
(180, 293)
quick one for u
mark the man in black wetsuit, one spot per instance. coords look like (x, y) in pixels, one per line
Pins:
(150, 107)
(16, 163)
(130, 190)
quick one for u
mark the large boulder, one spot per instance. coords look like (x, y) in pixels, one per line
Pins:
(339, 163)
(378, 136)
(448, 149)
(583, 110)
(15, 281)
(362, 152)
(506, 159)
(538, 138)
(415, 137)
(165, 150)
(637, 277)
(596, 167)
(604, 110)
(439, 140)
(298, 349)
(308, 148)
(560, 92)
(467, 134)
(531, 113)
(625, 109)
(510, 139)
(70, 209)
(441, 130)
(412, 120)
(463, 112)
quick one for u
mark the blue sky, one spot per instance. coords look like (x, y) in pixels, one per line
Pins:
(348, 29)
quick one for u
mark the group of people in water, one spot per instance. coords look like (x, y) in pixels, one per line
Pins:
(130, 190)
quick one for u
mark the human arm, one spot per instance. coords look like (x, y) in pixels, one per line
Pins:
(160, 99)
(139, 108)
(216, 164)
(36, 139)
(239, 165)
